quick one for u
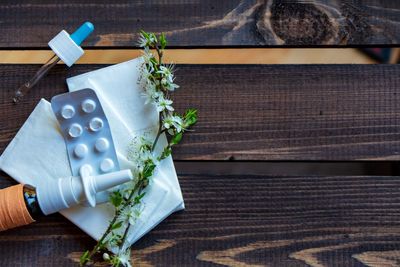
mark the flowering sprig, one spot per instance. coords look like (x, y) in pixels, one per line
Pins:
(157, 81)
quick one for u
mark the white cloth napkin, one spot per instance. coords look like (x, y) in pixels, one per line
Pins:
(38, 153)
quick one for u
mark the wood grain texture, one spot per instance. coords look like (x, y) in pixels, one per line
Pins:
(205, 23)
(244, 219)
(259, 112)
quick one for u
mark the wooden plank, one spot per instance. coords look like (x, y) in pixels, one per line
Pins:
(245, 219)
(206, 23)
(204, 56)
(260, 112)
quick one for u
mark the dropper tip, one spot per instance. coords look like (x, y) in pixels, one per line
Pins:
(82, 32)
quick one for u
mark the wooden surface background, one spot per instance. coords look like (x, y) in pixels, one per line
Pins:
(205, 23)
(318, 112)
(238, 211)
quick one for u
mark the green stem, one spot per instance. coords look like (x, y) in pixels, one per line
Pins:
(109, 229)
(100, 242)
(160, 131)
(127, 228)
(160, 55)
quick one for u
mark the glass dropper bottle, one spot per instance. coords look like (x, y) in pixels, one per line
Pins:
(66, 48)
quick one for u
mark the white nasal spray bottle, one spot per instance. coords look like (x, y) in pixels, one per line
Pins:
(64, 193)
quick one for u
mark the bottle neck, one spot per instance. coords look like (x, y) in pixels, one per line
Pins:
(31, 202)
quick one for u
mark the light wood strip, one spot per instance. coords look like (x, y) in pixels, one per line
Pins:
(203, 56)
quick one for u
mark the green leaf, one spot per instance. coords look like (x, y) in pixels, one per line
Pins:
(116, 198)
(101, 245)
(190, 117)
(148, 169)
(145, 34)
(115, 261)
(163, 41)
(166, 152)
(84, 258)
(153, 39)
(139, 197)
(176, 138)
(116, 225)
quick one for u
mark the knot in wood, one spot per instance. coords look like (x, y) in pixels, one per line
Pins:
(297, 23)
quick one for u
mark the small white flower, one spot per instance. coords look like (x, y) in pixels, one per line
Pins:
(171, 86)
(168, 122)
(124, 258)
(132, 220)
(147, 58)
(146, 42)
(150, 93)
(165, 71)
(164, 104)
(135, 214)
(126, 214)
(147, 55)
(167, 74)
(178, 123)
(138, 152)
(142, 41)
(175, 122)
(152, 38)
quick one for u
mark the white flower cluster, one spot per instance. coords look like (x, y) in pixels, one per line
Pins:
(145, 42)
(140, 153)
(131, 215)
(172, 121)
(152, 85)
(122, 259)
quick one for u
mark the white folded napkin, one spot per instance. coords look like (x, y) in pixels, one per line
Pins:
(38, 152)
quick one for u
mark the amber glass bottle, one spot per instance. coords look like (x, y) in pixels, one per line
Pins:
(18, 206)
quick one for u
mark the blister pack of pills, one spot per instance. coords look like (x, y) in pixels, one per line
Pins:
(86, 132)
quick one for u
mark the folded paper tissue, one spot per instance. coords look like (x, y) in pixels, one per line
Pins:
(38, 152)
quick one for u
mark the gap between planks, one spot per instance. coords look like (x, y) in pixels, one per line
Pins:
(204, 56)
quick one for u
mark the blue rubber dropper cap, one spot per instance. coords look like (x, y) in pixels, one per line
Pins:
(82, 32)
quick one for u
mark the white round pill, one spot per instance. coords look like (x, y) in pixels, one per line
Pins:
(101, 144)
(75, 130)
(96, 124)
(106, 165)
(81, 150)
(67, 112)
(88, 106)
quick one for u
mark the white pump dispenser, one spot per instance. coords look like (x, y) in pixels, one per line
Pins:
(64, 193)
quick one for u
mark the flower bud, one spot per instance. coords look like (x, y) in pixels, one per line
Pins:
(106, 257)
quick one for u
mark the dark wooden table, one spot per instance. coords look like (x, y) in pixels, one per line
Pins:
(239, 212)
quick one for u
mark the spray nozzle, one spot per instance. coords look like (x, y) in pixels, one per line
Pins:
(64, 193)
(99, 183)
